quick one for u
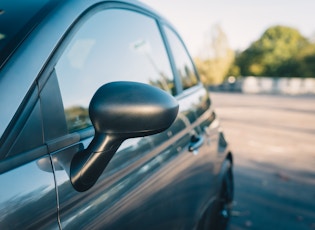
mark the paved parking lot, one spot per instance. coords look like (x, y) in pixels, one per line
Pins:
(273, 138)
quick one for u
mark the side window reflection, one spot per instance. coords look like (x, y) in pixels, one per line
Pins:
(112, 45)
(184, 66)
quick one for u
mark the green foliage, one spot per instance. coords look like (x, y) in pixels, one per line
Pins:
(305, 61)
(77, 118)
(217, 58)
(214, 71)
(234, 70)
(281, 51)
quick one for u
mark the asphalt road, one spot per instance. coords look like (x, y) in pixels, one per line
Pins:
(273, 140)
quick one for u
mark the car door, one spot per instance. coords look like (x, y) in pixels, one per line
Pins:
(151, 182)
(27, 194)
(128, 46)
(205, 143)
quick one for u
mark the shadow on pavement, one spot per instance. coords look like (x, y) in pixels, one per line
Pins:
(267, 198)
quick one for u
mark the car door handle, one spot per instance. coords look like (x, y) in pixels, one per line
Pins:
(195, 143)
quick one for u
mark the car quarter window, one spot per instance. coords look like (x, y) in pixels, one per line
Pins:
(112, 45)
(184, 66)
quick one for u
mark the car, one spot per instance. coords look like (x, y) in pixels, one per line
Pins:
(104, 122)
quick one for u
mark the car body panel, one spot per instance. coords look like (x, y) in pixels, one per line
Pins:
(146, 176)
(29, 197)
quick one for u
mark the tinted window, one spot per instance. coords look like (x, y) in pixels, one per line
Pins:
(113, 45)
(183, 62)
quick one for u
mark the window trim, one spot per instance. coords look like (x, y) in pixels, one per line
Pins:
(177, 81)
(181, 90)
(12, 162)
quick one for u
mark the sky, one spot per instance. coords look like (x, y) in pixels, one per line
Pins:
(243, 21)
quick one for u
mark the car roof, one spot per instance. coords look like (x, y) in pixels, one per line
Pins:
(17, 19)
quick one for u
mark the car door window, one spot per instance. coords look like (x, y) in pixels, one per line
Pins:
(184, 67)
(125, 46)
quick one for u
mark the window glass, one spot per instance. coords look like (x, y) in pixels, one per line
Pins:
(183, 62)
(113, 45)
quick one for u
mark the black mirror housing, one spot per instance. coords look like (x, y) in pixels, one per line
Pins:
(118, 111)
(132, 109)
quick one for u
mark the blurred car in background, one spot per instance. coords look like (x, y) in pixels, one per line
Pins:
(104, 122)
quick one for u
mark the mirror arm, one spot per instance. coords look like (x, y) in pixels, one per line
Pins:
(87, 166)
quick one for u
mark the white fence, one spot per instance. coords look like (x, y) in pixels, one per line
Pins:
(278, 85)
(269, 85)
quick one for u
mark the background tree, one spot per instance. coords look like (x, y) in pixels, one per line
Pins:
(216, 57)
(305, 61)
(274, 54)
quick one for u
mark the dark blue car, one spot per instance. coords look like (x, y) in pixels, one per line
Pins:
(104, 123)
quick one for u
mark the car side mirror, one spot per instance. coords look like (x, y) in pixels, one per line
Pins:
(118, 111)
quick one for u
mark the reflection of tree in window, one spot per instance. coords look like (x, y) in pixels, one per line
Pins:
(185, 68)
(163, 81)
(77, 118)
(188, 77)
